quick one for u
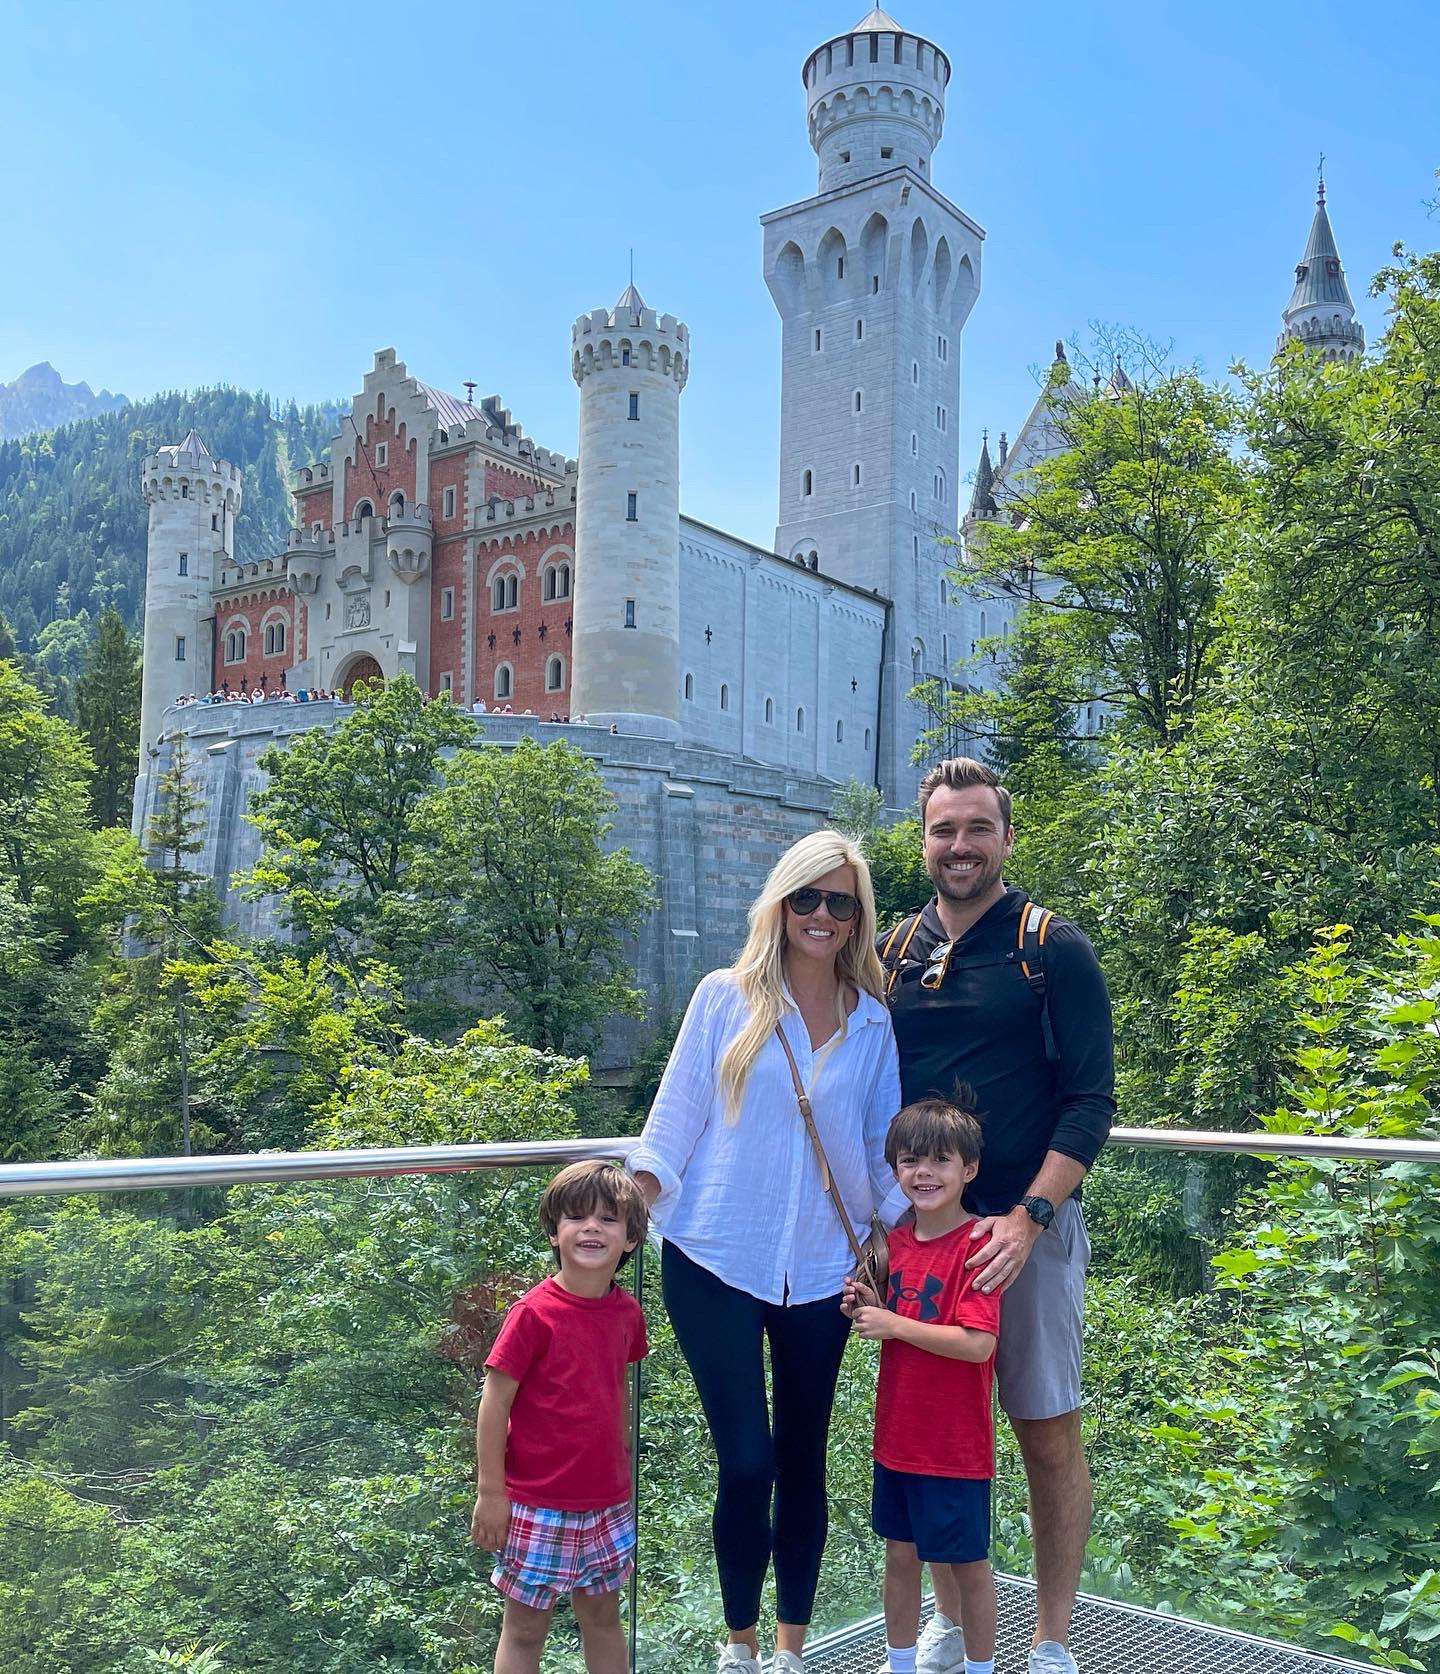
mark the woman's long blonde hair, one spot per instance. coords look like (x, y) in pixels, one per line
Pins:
(760, 966)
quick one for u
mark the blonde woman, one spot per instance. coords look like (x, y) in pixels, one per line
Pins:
(753, 1250)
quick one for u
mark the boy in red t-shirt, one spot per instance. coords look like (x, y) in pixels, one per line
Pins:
(934, 1433)
(552, 1439)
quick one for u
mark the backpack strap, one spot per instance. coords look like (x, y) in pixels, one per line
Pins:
(1030, 939)
(893, 971)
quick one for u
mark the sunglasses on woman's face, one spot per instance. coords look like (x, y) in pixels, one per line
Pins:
(803, 902)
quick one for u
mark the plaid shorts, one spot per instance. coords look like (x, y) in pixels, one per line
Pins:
(550, 1553)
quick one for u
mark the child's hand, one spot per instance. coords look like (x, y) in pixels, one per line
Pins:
(856, 1296)
(875, 1324)
(490, 1523)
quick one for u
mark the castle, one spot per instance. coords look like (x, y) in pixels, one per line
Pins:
(743, 685)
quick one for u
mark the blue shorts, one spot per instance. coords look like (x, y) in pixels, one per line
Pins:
(946, 1518)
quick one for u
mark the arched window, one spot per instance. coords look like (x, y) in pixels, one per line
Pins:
(859, 401)
(557, 582)
(274, 639)
(364, 509)
(504, 681)
(807, 483)
(397, 504)
(724, 697)
(839, 732)
(799, 720)
(506, 591)
(690, 688)
(235, 645)
(769, 712)
(555, 674)
(867, 738)
(184, 490)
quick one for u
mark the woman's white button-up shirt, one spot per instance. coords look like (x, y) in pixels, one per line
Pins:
(744, 1199)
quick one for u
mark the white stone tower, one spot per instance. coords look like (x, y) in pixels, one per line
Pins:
(631, 365)
(874, 278)
(1320, 313)
(194, 501)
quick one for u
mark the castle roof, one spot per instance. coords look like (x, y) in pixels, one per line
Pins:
(192, 447)
(1319, 277)
(983, 499)
(451, 410)
(631, 302)
(878, 22)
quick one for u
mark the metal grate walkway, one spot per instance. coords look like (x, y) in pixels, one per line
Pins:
(1107, 1638)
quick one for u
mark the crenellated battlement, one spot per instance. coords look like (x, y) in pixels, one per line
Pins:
(174, 473)
(622, 338)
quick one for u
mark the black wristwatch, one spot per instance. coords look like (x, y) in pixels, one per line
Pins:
(1040, 1210)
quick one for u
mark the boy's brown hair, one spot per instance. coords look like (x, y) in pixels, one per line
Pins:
(581, 1187)
(932, 1127)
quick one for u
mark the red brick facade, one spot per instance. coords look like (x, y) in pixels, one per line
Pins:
(366, 478)
(503, 483)
(314, 505)
(267, 612)
(542, 625)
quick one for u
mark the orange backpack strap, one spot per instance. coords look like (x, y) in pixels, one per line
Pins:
(1030, 939)
(894, 970)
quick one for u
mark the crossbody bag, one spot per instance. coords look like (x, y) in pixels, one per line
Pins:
(872, 1258)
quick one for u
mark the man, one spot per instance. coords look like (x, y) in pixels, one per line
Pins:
(1037, 1054)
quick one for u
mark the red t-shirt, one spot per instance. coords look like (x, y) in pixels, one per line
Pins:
(933, 1414)
(568, 1353)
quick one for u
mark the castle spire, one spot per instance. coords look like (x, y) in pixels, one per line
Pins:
(1320, 313)
(982, 501)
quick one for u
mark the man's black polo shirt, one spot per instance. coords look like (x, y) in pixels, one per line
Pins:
(983, 1027)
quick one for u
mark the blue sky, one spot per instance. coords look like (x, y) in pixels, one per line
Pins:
(264, 195)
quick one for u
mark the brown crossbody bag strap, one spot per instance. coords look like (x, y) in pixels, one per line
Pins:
(872, 1263)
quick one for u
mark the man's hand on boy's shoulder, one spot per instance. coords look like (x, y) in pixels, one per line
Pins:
(490, 1523)
(1002, 1247)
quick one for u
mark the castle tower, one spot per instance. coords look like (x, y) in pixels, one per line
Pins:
(874, 278)
(631, 365)
(1320, 313)
(193, 501)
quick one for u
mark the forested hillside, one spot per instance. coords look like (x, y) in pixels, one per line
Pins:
(72, 520)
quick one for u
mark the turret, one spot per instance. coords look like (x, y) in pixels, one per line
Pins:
(877, 101)
(1320, 313)
(193, 500)
(631, 365)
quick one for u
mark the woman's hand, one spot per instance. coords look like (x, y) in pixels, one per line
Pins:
(490, 1523)
(875, 1324)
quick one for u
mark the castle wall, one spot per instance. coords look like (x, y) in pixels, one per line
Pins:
(708, 827)
(253, 613)
(365, 478)
(314, 505)
(543, 626)
(778, 662)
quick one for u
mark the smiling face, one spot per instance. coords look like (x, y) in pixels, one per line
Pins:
(590, 1247)
(934, 1184)
(966, 843)
(817, 935)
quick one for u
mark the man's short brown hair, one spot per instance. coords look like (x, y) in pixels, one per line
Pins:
(936, 1127)
(959, 773)
(582, 1187)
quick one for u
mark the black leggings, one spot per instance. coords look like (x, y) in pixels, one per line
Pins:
(721, 1333)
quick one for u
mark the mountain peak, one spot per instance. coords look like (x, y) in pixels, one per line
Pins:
(40, 399)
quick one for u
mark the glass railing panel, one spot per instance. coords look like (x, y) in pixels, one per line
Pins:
(236, 1424)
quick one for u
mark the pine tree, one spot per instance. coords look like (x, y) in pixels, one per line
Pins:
(108, 698)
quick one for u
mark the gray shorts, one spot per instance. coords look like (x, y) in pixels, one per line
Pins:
(1042, 1322)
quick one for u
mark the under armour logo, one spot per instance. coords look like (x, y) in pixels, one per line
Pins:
(923, 1293)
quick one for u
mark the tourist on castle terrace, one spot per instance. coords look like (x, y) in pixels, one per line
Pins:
(751, 1248)
(988, 990)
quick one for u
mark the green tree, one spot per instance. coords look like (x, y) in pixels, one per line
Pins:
(337, 818)
(514, 894)
(1123, 539)
(107, 698)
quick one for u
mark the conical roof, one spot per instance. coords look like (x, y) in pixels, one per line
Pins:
(879, 22)
(982, 501)
(1319, 277)
(631, 302)
(194, 447)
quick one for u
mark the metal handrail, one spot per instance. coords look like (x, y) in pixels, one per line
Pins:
(134, 1174)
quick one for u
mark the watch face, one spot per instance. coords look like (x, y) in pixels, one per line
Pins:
(1040, 1210)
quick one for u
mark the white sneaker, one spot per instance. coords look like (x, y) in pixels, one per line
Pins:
(941, 1647)
(786, 1662)
(1051, 1657)
(735, 1659)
